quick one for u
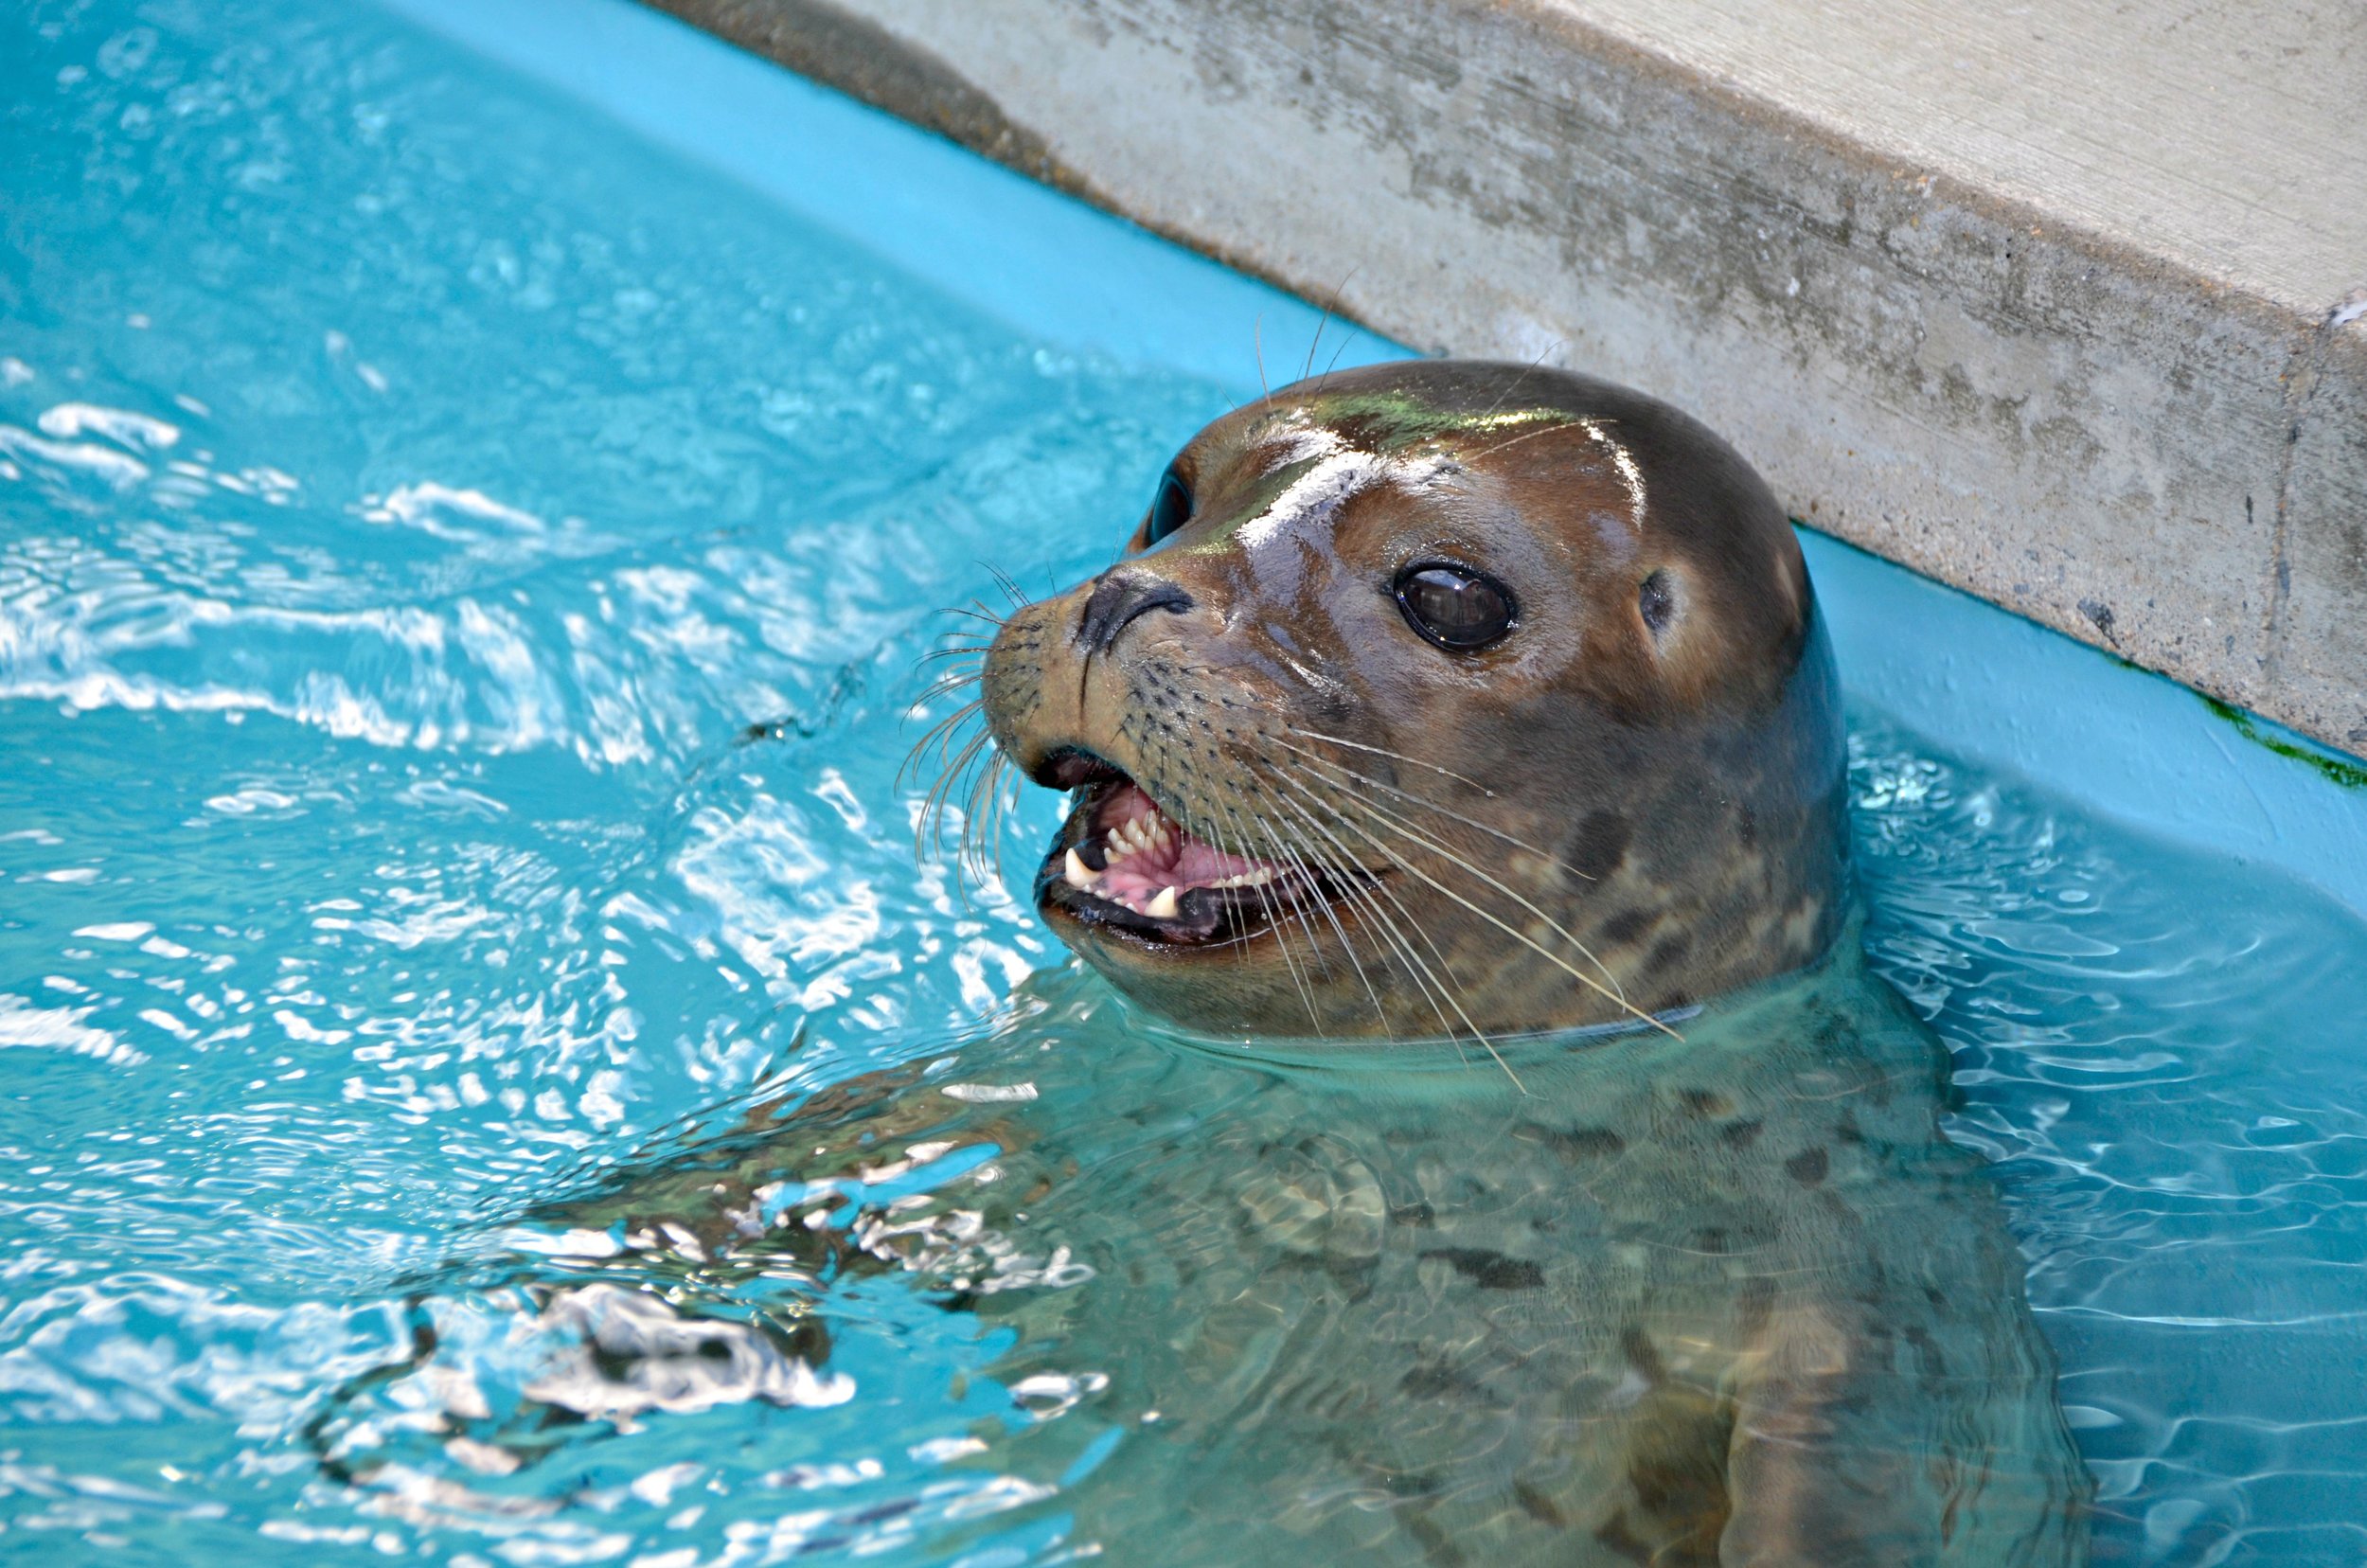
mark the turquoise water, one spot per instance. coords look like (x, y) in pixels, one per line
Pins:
(461, 579)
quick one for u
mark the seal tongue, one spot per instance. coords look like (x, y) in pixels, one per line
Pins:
(1150, 859)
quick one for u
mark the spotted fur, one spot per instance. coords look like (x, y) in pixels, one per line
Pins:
(1592, 818)
(1712, 1289)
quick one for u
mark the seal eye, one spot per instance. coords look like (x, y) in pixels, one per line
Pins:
(1169, 510)
(1656, 602)
(1453, 606)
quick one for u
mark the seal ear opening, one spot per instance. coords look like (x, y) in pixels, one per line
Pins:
(1656, 602)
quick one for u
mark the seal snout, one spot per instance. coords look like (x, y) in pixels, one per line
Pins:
(1122, 596)
(1423, 625)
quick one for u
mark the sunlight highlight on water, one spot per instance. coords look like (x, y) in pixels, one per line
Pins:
(461, 579)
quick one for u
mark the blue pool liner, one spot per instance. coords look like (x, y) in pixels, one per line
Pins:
(1992, 687)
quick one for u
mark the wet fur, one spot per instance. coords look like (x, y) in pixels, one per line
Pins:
(1722, 1294)
(1729, 1300)
(1660, 813)
(1604, 814)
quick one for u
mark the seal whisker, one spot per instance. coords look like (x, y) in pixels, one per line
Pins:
(1331, 307)
(948, 721)
(928, 829)
(1317, 340)
(1267, 900)
(982, 846)
(1004, 770)
(1366, 781)
(1008, 584)
(1514, 385)
(970, 777)
(1275, 919)
(976, 837)
(954, 674)
(1235, 846)
(975, 613)
(1279, 915)
(1257, 346)
(969, 751)
(1433, 989)
(1307, 873)
(1462, 864)
(920, 671)
(1441, 990)
(1478, 457)
(940, 731)
(1334, 364)
(1522, 937)
(954, 682)
(1508, 929)
(1383, 751)
(928, 825)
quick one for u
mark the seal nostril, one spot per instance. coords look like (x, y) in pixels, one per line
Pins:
(1117, 598)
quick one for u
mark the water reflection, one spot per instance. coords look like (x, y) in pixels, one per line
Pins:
(1381, 1314)
(460, 580)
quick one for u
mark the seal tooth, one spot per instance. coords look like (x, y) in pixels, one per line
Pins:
(1163, 907)
(1077, 872)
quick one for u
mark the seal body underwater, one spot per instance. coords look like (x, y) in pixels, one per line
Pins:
(1456, 750)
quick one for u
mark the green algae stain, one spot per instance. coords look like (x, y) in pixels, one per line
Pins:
(2350, 775)
(1391, 421)
(1259, 500)
(1383, 423)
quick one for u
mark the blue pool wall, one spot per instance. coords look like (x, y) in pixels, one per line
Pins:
(1996, 689)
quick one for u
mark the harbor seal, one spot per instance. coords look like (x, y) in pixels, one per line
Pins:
(1542, 1178)
(1438, 699)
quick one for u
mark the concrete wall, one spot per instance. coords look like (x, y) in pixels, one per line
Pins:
(2118, 421)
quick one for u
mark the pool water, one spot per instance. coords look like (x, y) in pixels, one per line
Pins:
(462, 577)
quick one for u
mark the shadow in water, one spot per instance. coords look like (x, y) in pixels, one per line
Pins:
(1309, 1302)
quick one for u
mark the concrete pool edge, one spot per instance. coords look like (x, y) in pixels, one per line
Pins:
(2159, 449)
(1994, 688)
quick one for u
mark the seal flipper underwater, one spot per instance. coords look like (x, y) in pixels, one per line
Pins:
(1433, 707)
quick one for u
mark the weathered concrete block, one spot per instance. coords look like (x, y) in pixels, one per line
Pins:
(2321, 625)
(2166, 463)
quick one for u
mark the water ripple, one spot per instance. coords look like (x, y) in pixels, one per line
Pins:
(461, 575)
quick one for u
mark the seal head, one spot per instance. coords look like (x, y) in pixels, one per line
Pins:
(1437, 698)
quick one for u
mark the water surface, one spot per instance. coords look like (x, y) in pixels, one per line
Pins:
(461, 575)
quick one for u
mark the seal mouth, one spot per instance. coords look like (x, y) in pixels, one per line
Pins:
(1121, 865)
